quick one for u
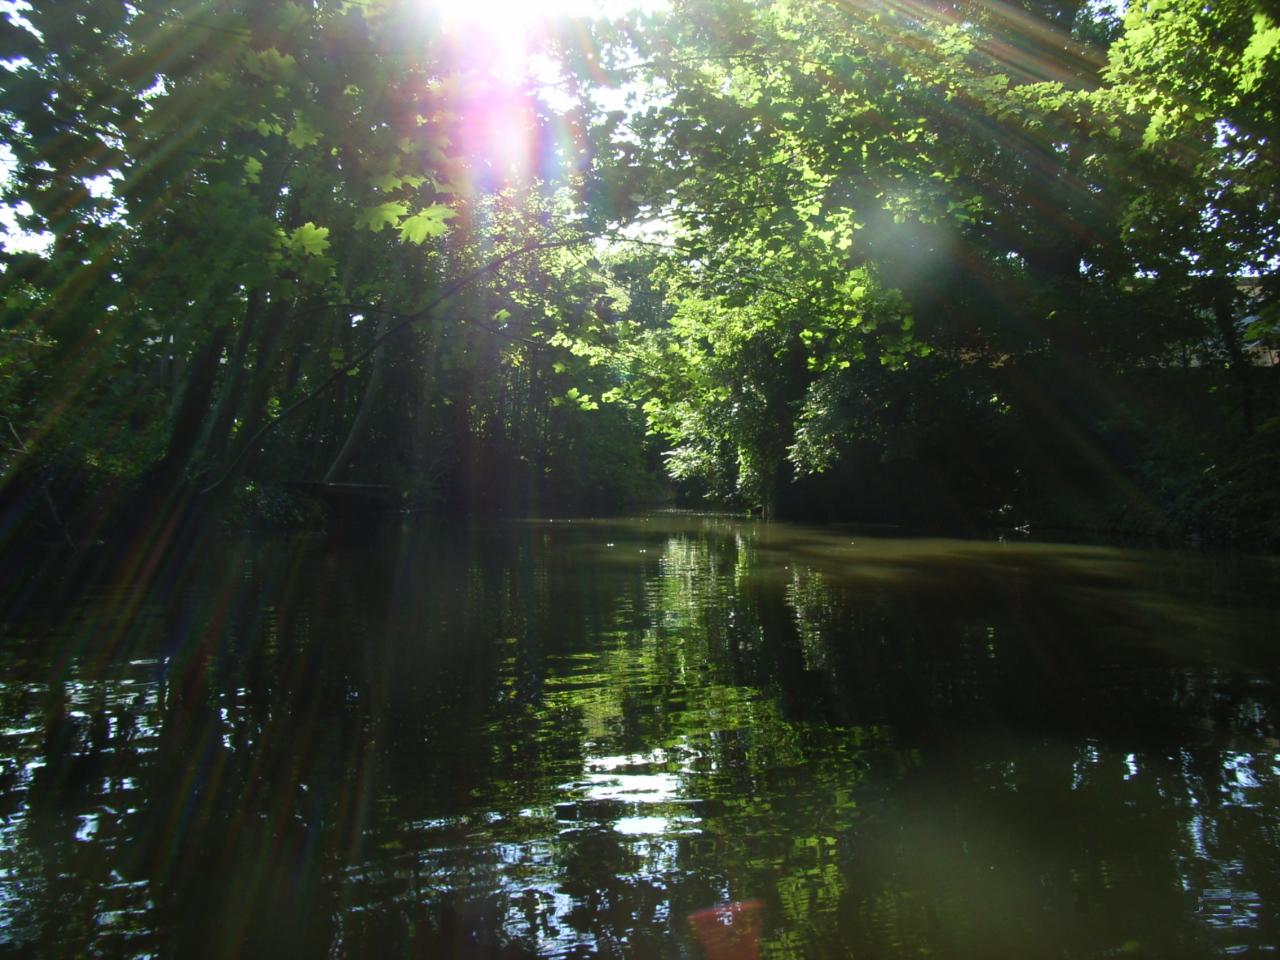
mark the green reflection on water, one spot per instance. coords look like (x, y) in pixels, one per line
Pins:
(566, 738)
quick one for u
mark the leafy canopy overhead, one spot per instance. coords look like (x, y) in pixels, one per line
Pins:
(774, 233)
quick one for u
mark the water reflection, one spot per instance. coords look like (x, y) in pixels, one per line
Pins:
(566, 739)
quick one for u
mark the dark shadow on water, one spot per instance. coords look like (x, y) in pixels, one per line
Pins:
(563, 738)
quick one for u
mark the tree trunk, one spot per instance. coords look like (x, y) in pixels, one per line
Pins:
(769, 497)
(271, 333)
(356, 434)
(218, 431)
(196, 396)
(1239, 365)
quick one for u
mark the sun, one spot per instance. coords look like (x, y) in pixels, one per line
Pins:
(507, 14)
(501, 37)
(513, 121)
(505, 35)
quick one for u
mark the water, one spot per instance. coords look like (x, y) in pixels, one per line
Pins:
(566, 739)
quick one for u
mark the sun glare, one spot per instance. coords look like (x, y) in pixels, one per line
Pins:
(509, 14)
(506, 35)
(508, 46)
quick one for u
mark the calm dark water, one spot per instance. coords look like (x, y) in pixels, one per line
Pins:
(564, 739)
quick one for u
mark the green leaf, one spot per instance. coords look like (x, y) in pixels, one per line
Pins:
(253, 170)
(271, 64)
(303, 134)
(429, 223)
(394, 181)
(383, 215)
(1263, 45)
(1155, 127)
(309, 240)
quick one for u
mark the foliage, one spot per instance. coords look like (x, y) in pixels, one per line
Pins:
(895, 224)
(782, 239)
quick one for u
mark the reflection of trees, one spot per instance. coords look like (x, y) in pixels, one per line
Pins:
(965, 683)
(452, 743)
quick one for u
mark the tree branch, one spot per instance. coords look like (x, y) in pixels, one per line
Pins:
(407, 320)
(44, 488)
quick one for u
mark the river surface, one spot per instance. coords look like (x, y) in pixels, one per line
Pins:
(674, 736)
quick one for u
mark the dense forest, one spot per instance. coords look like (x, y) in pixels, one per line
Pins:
(954, 263)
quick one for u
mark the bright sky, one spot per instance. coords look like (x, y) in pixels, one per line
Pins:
(507, 33)
(510, 42)
(513, 15)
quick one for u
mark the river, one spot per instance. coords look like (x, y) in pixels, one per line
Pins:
(668, 736)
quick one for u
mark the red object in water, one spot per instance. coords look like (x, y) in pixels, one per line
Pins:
(730, 931)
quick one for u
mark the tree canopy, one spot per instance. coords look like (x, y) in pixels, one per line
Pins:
(937, 261)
